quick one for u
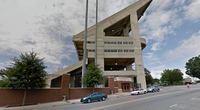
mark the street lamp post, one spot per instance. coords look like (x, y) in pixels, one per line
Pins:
(85, 41)
(84, 46)
(96, 32)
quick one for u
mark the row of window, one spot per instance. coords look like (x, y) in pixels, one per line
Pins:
(118, 50)
(119, 42)
(91, 50)
(113, 50)
(90, 42)
(111, 42)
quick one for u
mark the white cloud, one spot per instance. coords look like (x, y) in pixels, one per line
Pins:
(156, 73)
(47, 26)
(155, 46)
(187, 48)
(161, 21)
(40, 26)
(192, 10)
(108, 7)
(153, 63)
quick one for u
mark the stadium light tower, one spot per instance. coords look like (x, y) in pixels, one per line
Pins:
(85, 42)
(84, 46)
(95, 57)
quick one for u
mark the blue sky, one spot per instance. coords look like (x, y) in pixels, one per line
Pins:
(171, 28)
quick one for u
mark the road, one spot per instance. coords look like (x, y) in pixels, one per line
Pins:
(169, 98)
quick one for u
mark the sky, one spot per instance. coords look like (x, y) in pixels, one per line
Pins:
(170, 27)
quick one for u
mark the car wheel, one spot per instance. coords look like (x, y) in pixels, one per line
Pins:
(103, 98)
(138, 93)
(89, 101)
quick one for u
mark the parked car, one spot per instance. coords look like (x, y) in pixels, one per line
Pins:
(96, 96)
(139, 91)
(153, 89)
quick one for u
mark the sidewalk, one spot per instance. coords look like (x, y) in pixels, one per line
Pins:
(59, 103)
(36, 107)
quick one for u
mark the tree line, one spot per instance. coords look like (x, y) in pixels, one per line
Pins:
(175, 76)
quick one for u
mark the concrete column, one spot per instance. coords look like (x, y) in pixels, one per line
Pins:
(131, 86)
(100, 48)
(137, 51)
(126, 31)
(48, 83)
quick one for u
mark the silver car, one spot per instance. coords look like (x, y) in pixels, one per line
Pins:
(153, 89)
(139, 91)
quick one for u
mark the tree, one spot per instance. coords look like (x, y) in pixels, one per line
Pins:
(93, 76)
(172, 77)
(156, 81)
(149, 78)
(2, 73)
(26, 72)
(193, 67)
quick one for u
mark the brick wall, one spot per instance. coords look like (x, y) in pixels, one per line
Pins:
(14, 97)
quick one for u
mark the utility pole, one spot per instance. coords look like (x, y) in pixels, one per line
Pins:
(85, 46)
(95, 57)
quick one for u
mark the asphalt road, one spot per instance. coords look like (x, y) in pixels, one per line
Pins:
(169, 98)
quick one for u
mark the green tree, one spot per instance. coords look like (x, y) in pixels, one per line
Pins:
(193, 67)
(93, 76)
(172, 77)
(149, 78)
(156, 81)
(2, 73)
(26, 72)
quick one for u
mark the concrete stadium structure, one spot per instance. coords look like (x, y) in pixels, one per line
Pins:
(119, 49)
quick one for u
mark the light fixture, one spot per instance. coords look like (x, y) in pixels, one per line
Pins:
(115, 62)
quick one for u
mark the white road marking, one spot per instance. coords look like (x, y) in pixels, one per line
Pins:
(196, 99)
(174, 105)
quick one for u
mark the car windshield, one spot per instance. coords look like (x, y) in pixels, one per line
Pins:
(139, 89)
(95, 93)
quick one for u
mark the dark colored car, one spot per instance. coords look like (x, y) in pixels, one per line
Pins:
(96, 96)
(153, 89)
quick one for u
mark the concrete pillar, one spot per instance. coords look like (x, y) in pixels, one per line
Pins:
(137, 51)
(100, 48)
(126, 31)
(131, 86)
(48, 83)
